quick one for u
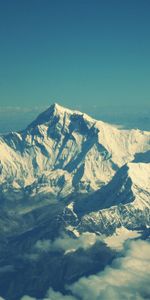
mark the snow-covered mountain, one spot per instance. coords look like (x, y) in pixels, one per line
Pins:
(124, 201)
(72, 189)
(100, 173)
(65, 151)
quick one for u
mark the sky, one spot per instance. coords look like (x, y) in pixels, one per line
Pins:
(79, 53)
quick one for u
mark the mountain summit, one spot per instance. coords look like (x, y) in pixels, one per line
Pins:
(45, 117)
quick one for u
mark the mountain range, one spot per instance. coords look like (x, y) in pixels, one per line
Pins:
(66, 154)
(69, 174)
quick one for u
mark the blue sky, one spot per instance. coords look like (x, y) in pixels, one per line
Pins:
(78, 53)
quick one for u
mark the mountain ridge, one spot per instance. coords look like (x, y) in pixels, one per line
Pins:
(61, 139)
(92, 168)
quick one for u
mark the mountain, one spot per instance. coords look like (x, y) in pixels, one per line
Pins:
(124, 201)
(71, 187)
(86, 164)
(130, 184)
(64, 151)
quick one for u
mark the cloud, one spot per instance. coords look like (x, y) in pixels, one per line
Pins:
(52, 295)
(67, 243)
(121, 235)
(127, 278)
(27, 298)
(86, 240)
(23, 109)
(64, 243)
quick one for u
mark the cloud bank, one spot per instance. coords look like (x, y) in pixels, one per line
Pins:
(127, 278)
(52, 295)
(67, 243)
(27, 298)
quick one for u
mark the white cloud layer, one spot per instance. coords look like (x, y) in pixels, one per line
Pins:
(127, 278)
(67, 243)
(27, 298)
(17, 109)
(52, 295)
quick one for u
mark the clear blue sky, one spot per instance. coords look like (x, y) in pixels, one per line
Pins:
(74, 52)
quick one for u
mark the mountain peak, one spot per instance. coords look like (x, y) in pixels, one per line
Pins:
(56, 106)
(45, 117)
(56, 110)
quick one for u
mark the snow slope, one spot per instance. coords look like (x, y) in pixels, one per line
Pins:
(63, 151)
(124, 201)
(66, 154)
